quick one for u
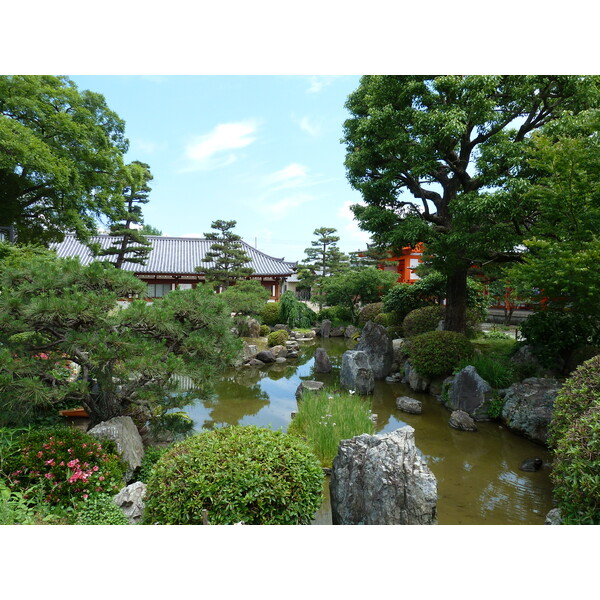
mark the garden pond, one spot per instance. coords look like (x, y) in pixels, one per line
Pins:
(478, 475)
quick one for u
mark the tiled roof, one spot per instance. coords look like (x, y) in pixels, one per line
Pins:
(175, 255)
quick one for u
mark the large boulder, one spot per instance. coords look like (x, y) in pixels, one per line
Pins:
(253, 328)
(308, 386)
(279, 351)
(325, 328)
(462, 421)
(266, 356)
(469, 392)
(124, 433)
(350, 332)
(322, 362)
(131, 501)
(409, 405)
(528, 407)
(382, 480)
(337, 332)
(356, 373)
(377, 344)
(416, 382)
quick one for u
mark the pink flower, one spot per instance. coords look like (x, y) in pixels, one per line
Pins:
(49, 476)
(95, 468)
(40, 454)
(72, 463)
(101, 478)
(85, 496)
(83, 445)
(50, 462)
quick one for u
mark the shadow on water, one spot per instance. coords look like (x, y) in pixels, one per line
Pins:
(478, 475)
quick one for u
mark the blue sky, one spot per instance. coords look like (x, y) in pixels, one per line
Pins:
(264, 151)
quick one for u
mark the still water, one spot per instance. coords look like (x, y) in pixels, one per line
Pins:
(478, 475)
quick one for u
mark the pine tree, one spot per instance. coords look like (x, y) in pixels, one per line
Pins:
(131, 244)
(226, 256)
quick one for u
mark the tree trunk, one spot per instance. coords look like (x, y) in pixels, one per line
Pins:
(456, 301)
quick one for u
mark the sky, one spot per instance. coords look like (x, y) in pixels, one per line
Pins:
(263, 151)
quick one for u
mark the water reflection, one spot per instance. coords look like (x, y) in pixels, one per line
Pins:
(479, 481)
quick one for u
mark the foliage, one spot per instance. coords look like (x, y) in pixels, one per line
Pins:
(368, 312)
(352, 288)
(338, 315)
(437, 353)
(278, 338)
(458, 145)
(554, 334)
(226, 257)
(152, 455)
(499, 372)
(494, 410)
(246, 297)
(128, 358)
(575, 470)
(100, 510)
(148, 229)
(130, 245)
(67, 464)
(422, 319)
(61, 156)
(264, 331)
(385, 319)
(237, 474)
(580, 392)
(323, 259)
(294, 313)
(326, 418)
(269, 314)
(15, 508)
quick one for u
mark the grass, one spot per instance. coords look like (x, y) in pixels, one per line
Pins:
(326, 418)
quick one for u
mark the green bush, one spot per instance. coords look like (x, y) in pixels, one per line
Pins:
(152, 455)
(437, 353)
(422, 319)
(580, 392)
(326, 418)
(576, 469)
(15, 509)
(237, 474)
(294, 313)
(499, 372)
(265, 330)
(385, 319)
(269, 314)
(66, 464)
(100, 510)
(553, 335)
(338, 315)
(278, 338)
(368, 313)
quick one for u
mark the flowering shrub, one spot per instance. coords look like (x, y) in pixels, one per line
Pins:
(68, 465)
(59, 367)
(437, 353)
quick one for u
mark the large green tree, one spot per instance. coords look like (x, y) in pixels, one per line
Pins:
(131, 244)
(61, 151)
(131, 360)
(438, 160)
(322, 260)
(226, 260)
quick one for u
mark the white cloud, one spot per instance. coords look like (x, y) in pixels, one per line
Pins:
(348, 227)
(292, 175)
(309, 127)
(146, 146)
(318, 82)
(213, 149)
(281, 208)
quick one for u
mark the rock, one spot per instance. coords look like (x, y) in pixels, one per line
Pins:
(350, 332)
(394, 378)
(281, 326)
(308, 386)
(400, 351)
(376, 343)
(279, 351)
(417, 383)
(532, 464)
(528, 407)
(255, 362)
(460, 420)
(409, 405)
(553, 517)
(382, 480)
(322, 362)
(525, 356)
(337, 332)
(373, 417)
(292, 355)
(356, 373)
(131, 501)
(325, 328)
(266, 356)
(253, 328)
(293, 414)
(280, 359)
(468, 392)
(305, 335)
(124, 433)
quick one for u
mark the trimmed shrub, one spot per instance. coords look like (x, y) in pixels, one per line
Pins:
(100, 510)
(338, 315)
(67, 465)
(278, 338)
(368, 313)
(385, 319)
(237, 474)
(580, 392)
(575, 470)
(269, 315)
(264, 331)
(422, 319)
(553, 335)
(152, 455)
(437, 353)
